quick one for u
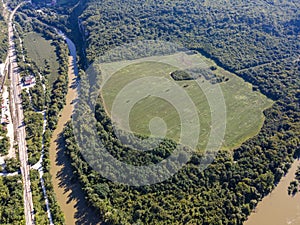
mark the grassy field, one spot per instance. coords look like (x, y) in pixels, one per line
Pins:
(244, 107)
(39, 49)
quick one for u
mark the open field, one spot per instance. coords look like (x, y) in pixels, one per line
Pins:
(244, 107)
(39, 49)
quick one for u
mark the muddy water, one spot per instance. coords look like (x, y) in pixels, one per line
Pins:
(278, 208)
(69, 194)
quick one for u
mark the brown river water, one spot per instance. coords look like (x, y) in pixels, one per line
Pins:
(68, 191)
(278, 208)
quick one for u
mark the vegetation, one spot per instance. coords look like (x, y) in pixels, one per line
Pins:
(47, 94)
(293, 188)
(11, 198)
(4, 141)
(238, 96)
(238, 34)
(3, 36)
(11, 194)
(40, 214)
(179, 75)
(34, 135)
(294, 185)
(12, 165)
(42, 52)
(4, 145)
(258, 41)
(55, 77)
(244, 38)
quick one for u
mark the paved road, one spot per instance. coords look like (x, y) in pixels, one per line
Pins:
(18, 117)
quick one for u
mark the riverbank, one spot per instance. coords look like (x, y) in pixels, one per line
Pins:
(68, 191)
(57, 165)
(278, 208)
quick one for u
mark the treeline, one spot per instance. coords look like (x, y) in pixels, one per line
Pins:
(4, 141)
(11, 198)
(225, 193)
(52, 100)
(34, 135)
(237, 36)
(294, 185)
(55, 95)
(40, 216)
(3, 36)
(221, 30)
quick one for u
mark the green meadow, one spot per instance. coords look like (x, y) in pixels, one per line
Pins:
(244, 107)
(39, 49)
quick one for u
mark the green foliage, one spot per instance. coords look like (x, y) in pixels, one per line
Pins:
(12, 165)
(42, 53)
(297, 174)
(40, 213)
(46, 58)
(3, 36)
(34, 135)
(244, 38)
(4, 144)
(237, 34)
(38, 96)
(293, 188)
(11, 198)
(181, 75)
(27, 106)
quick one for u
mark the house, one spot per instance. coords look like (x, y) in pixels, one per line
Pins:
(28, 80)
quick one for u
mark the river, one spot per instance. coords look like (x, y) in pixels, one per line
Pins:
(278, 208)
(68, 191)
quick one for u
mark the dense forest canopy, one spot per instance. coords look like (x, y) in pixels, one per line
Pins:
(257, 40)
(251, 33)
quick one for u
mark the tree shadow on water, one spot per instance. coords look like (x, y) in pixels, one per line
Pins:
(85, 214)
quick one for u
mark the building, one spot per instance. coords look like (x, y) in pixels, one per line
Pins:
(28, 80)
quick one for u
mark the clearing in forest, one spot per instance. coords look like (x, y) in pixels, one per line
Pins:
(40, 51)
(244, 107)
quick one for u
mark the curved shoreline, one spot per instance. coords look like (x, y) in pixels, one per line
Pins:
(69, 194)
(278, 208)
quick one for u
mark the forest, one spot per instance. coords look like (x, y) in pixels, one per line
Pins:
(3, 36)
(11, 198)
(256, 41)
(47, 98)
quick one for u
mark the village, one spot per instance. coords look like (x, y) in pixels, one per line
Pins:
(7, 134)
